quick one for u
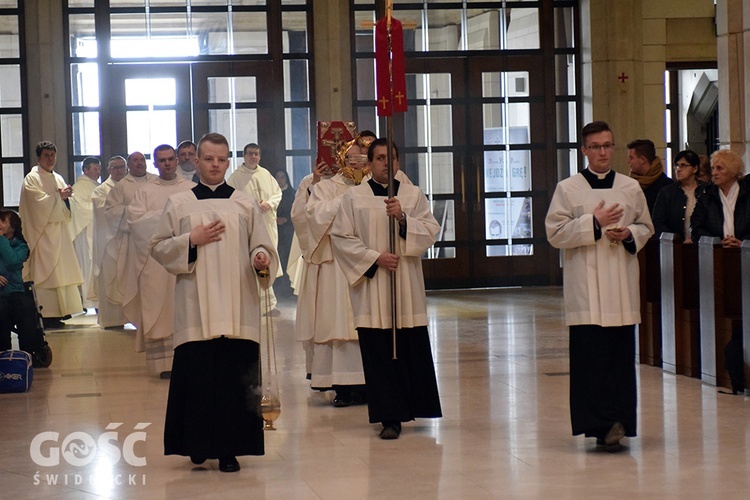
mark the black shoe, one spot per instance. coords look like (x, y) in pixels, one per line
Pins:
(165, 375)
(359, 398)
(197, 460)
(52, 323)
(229, 464)
(341, 401)
(391, 430)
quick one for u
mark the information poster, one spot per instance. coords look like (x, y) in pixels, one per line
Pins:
(517, 175)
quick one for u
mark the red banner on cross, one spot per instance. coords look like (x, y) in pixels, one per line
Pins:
(390, 68)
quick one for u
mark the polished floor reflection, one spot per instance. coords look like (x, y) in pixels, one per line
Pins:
(501, 359)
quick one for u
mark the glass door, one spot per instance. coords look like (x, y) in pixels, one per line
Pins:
(166, 104)
(473, 139)
(433, 153)
(510, 167)
(150, 105)
(235, 100)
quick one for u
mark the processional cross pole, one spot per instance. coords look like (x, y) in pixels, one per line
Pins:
(391, 81)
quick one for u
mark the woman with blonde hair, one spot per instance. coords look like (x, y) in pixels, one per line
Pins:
(724, 210)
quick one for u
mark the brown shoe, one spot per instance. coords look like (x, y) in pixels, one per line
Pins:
(613, 437)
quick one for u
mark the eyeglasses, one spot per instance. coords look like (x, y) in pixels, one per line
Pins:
(684, 165)
(599, 147)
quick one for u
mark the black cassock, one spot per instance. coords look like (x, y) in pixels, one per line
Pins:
(602, 368)
(213, 403)
(405, 388)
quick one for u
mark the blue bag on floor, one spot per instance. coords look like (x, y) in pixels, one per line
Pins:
(16, 372)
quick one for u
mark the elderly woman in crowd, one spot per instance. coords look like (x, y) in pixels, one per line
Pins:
(676, 202)
(724, 209)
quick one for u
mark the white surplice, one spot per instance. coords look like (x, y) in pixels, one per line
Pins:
(52, 263)
(82, 230)
(307, 273)
(217, 294)
(108, 313)
(336, 359)
(600, 280)
(360, 234)
(113, 262)
(148, 302)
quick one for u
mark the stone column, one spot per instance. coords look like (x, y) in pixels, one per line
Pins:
(333, 73)
(732, 27)
(613, 71)
(45, 59)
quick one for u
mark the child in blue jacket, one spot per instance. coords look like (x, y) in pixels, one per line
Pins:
(16, 307)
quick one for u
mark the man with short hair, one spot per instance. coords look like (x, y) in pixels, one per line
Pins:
(117, 201)
(214, 239)
(148, 301)
(257, 181)
(600, 220)
(187, 161)
(109, 314)
(402, 389)
(647, 169)
(44, 208)
(82, 221)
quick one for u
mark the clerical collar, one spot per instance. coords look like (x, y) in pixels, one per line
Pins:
(379, 189)
(600, 176)
(599, 181)
(206, 192)
(212, 187)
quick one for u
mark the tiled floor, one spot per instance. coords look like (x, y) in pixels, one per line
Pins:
(501, 358)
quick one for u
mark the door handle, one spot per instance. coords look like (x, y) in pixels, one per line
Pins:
(478, 207)
(463, 185)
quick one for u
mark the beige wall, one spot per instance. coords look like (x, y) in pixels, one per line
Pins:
(733, 26)
(638, 38)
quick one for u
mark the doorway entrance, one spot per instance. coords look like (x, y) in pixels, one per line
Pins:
(474, 139)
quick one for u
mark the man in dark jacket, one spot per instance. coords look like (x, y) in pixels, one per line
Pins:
(647, 169)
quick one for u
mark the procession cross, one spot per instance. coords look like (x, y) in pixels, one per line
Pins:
(391, 82)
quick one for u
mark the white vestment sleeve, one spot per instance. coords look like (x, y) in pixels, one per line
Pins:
(350, 252)
(642, 227)
(321, 210)
(170, 248)
(421, 228)
(564, 228)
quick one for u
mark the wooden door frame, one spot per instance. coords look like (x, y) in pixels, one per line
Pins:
(511, 270)
(471, 267)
